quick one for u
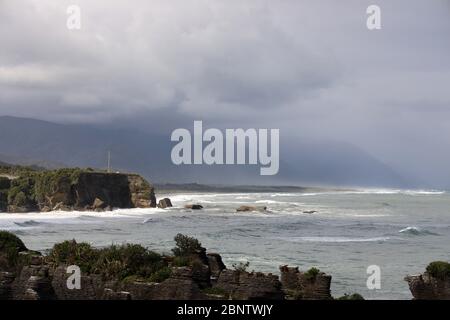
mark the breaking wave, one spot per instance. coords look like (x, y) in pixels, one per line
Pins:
(415, 231)
(29, 223)
(336, 239)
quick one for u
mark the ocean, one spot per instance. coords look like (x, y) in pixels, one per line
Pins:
(339, 232)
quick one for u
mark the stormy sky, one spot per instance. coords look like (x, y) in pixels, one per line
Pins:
(310, 68)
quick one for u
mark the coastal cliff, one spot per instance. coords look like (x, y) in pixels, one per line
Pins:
(132, 272)
(433, 284)
(25, 190)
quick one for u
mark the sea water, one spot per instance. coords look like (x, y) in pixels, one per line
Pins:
(340, 232)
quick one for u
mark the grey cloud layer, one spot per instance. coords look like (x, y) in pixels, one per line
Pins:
(310, 68)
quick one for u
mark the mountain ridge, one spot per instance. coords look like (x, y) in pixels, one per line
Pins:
(77, 145)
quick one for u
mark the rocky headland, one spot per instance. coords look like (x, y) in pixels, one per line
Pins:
(25, 189)
(133, 272)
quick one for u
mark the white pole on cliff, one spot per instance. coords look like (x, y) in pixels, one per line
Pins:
(109, 161)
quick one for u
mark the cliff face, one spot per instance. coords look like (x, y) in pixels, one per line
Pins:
(31, 276)
(433, 284)
(427, 287)
(75, 189)
(305, 285)
(99, 191)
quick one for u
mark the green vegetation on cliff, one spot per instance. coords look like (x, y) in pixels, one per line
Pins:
(10, 246)
(16, 171)
(48, 182)
(5, 184)
(23, 189)
(113, 262)
(312, 273)
(354, 296)
(185, 246)
(30, 187)
(439, 269)
(127, 261)
(22, 193)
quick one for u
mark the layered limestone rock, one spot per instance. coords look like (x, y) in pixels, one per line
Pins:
(27, 275)
(216, 264)
(433, 284)
(427, 287)
(243, 285)
(181, 285)
(310, 285)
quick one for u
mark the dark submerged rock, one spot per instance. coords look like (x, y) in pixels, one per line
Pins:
(193, 206)
(164, 203)
(250, 208)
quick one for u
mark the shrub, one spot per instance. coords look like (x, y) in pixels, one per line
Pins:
(10, 240)
(181, 262)
(160, 275)
(14, 170)
(49, 182)
(10, 246)
(241, 266)
(354, 296)
(185, 245)
(21, 192)
(73, 253)
(312, 273)
(439, 269)
(129, 261)
(215, 291)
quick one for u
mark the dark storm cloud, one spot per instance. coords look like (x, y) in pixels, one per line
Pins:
(310, 68)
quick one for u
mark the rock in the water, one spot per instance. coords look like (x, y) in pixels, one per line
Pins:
(164, 203)
(250, 208)
(193, 206)
(98, 204)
